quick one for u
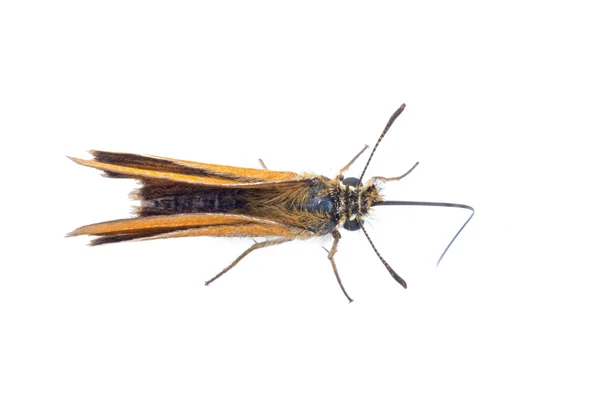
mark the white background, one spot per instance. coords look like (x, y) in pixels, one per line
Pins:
(502, 112)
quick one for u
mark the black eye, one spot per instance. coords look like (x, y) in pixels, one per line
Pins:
(351, 225)
(350, 182)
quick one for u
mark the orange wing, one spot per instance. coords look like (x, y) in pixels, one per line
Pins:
(127, 165)
(182, 225)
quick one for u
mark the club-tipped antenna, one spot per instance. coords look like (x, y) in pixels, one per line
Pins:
(395, 115)
(429, 204)
(387, 266)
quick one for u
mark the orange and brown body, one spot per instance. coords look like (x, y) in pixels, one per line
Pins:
(183, 198)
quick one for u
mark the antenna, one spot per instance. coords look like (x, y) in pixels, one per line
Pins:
(390, 270)
(398, 279)
(429, 204)
(395, 115)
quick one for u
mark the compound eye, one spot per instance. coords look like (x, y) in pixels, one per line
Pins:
(350, 182)
(351, 225)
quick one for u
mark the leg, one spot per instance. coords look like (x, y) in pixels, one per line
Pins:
(262, 164)
(345, 168)
(336, 239)
(397, 178)
(259, 245)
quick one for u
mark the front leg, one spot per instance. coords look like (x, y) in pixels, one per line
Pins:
(336, 239)
(345, 167)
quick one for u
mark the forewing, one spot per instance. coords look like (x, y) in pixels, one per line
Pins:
(182, 225)
(127, 165)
